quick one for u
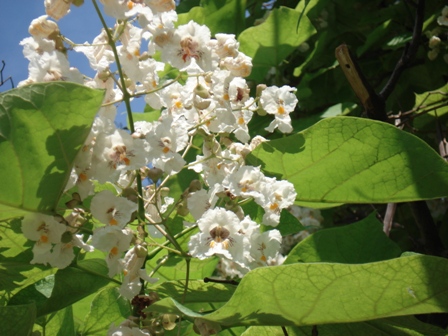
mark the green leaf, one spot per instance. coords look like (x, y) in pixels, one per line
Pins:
(264, 331)
(272, 41)
(16, 272)
(17, 320)
(361, 242)
(42, 128)
(396, 326)
(107, 307)
(219, 16)
(61, 289)
(353, 160)
(434, 99)
(320, 293)
(175, 267)
(60, 323)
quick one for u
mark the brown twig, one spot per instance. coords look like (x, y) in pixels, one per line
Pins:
(408, 53)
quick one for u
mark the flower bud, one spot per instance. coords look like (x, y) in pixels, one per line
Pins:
(141, 251)
(66, 237)
(195, 185)
(154, 174)
(201, 91)
(182, 209)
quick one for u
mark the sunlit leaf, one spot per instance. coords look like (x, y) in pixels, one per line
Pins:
(353, 160)
(42, 128)
(320, 293)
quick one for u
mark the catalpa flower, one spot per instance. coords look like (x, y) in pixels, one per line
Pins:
(117, 152)
(112, 210)
(44, 230)
(280, 102)
(166, 139)
(113, 243)
(219, 235)
(190, 41)
(276, 195)
(132, 270)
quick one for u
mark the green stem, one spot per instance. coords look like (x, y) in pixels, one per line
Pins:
(127, 102)
(187, 279)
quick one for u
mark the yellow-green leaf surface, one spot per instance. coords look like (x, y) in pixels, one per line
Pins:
(354, 160)
(42, 128)
(392, 326)
(320, 293)
(107, 307)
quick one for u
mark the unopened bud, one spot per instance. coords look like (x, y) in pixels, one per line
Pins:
(182, 209)
(195, 185)
(141, 251)
(66, 237)
(169, 321)
(131, 194)
(260, 89)
(165, 191)
(154, 174)
(201, 105)
(201, 91)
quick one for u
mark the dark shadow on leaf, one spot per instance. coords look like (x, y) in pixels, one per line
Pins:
(62, 146)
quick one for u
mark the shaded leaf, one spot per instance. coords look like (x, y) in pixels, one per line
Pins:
(361, 242)
(17, 320)
(60, 290)
(272, 41)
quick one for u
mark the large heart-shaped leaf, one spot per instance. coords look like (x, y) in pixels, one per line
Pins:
(42, 128)
(354, 160)
(321, 293)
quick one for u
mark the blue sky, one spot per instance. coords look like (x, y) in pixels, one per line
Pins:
(80, 25)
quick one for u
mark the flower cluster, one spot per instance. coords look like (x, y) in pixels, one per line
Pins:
(208, 102)
(436, 44)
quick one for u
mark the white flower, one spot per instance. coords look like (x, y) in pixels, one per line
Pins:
(132, 269)
(239, 66)
(42, 229)
(116, 152)
(165, 140)
(116, 8)
(279, 102)
(265, 248)
(276, 195)
(112, 210)
(161, 29)
(47, 63)
(247, 181)
(219, 235)
(202, 200)
(57, 8)
(42, 28)
(189, 42)
(226, 45)
(113, 243)
(443, 19)
(99, 53)
(161, 5)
